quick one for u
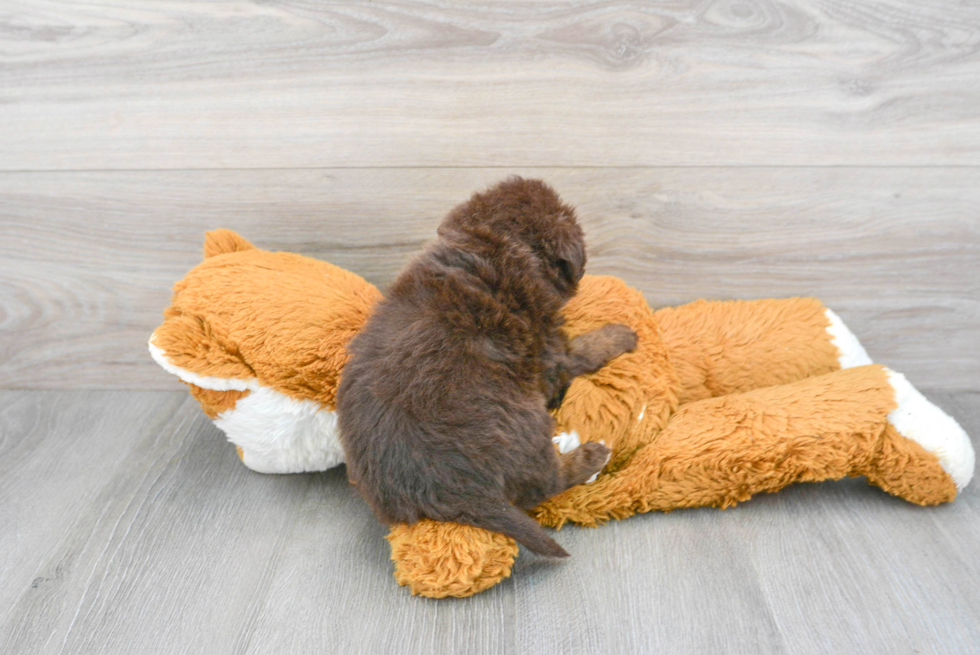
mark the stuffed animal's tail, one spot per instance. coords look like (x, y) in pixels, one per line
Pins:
(505, 518)
(219, 242)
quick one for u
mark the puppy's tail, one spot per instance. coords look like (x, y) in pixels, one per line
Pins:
(503, 517)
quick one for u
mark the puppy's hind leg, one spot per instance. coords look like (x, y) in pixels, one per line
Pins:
(583, 463)
(554, 472)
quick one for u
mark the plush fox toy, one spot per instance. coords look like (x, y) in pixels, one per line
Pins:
(720, 400)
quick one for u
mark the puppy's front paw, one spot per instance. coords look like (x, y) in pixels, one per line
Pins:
(620, 338)
(593, 350)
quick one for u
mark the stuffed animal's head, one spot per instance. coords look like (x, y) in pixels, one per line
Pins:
(261, 339)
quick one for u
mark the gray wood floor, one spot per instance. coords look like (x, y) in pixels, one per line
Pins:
(715, 148)
(129, 526)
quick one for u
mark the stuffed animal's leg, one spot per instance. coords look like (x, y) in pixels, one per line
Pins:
(734, 346)
(721, 451)
(917, 425)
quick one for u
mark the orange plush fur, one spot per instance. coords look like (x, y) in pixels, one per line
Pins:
(720, 401)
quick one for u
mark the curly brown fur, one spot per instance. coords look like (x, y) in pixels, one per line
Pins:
(443, 406)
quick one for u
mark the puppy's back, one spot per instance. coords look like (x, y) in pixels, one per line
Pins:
(441, 407)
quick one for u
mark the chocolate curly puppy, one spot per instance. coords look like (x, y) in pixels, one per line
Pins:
(443, 406)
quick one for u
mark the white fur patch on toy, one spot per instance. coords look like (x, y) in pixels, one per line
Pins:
(277, 433)
(851, 352)
(936, 431)
(567, 441)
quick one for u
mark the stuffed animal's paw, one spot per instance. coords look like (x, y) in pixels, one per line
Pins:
(438, 559)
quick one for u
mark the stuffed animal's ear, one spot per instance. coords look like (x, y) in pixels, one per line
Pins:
(186, 347)
(219, 242)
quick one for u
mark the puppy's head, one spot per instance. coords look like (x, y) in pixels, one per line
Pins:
(528, 212)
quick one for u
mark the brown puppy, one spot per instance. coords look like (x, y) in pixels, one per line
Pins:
(443, 406)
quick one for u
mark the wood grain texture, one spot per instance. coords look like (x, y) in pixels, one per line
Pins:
(87, 259)
(335, 592)
(181, 84)
(715, 148)
(165, 553)
(56, 451)
(128, 525)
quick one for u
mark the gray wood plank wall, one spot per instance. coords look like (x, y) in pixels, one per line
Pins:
(96, 85)
(88, 258)
(742, 149)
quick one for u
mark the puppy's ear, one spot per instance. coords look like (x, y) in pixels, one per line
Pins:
(567, 271)
(571, 261)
